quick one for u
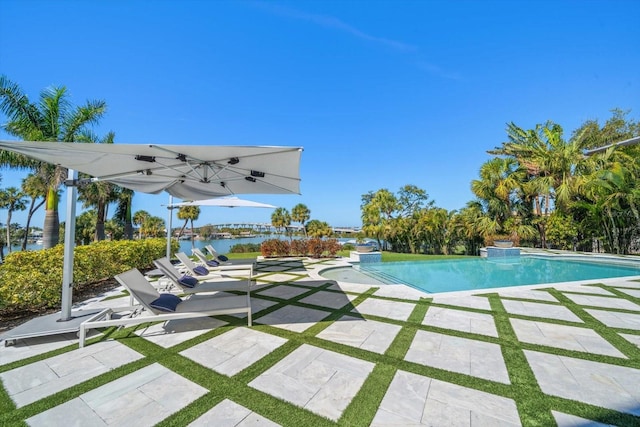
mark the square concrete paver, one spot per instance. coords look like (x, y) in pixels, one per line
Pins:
(545, 311)
(365, 334)
(385, 308)
(533, 294)
(282, 292)
(177, 331)
(600, 384)
(477, 358)
(628, 284)
(562, 336)
(257, 305)
(566, 420)
(604, 302)
(318, 380)
(277, 278)
(632, 292)
(414, 400)
(233, 351)
(616, 319)
(38, 380)
(587, 289)
(293, 318)
(356, 288)
(469, 301)
(272, 268)
(144, 397)
(400, 291)
(28, 347)
(326, 299)
(633, 339)
(460, 320)
(229, 414)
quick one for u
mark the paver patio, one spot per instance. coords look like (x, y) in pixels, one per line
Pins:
(322, 353)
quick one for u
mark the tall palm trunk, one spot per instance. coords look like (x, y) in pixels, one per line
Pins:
(193, 245)
(51, 228)
(32, 209)
(9, 231)
(101, 214)
(128, 224)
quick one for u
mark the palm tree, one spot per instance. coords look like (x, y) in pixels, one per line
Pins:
(85, 227)
(153, 226)
(34, 187)
(188, 213)
(377, 213)
(98, 194)
(498, 190)
(123, 211)
(51, 119)
(139, 218)
(12, 200)
(319, 228)
(280, 219)
(301, 214)
(463, 226)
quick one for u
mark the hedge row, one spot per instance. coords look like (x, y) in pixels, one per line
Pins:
(317, 248)
(30, 280)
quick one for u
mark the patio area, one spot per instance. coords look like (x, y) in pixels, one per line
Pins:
(323, 353)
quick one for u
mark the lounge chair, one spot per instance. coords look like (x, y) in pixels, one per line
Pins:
(216, 256)
(163, 307)
(203, 258)
(207, 272)
(192, 284)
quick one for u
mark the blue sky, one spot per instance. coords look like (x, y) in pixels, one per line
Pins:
(379, 93)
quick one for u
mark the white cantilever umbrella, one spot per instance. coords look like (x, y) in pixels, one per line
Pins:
(189, 172)
(225, 202)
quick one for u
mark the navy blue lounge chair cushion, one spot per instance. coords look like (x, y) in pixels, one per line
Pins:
(200, 270)
(213, 263)
(223, 258)
(166, 302)
(188, 281)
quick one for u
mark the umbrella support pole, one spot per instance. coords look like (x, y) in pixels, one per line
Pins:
(69, 243)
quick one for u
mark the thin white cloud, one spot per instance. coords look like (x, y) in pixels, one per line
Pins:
(331, 22)
(335, 23)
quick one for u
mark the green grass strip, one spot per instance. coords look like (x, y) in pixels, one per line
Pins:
(528, 396)
(609, 334)
(366, 402)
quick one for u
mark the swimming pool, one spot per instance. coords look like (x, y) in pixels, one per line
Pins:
(481, 273)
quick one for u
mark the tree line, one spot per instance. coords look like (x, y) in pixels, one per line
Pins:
(540, 189)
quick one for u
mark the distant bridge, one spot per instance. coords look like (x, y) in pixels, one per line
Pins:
(264, 226)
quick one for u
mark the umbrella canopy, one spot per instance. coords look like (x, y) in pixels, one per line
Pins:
(189, 172)
(226, 202)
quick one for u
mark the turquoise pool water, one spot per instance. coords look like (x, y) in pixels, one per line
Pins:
(481, 273)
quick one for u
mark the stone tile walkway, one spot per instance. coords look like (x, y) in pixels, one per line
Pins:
(322, 353)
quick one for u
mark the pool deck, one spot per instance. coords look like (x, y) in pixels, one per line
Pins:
(329, 353)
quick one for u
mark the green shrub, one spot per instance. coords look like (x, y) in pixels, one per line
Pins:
(30, 280)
